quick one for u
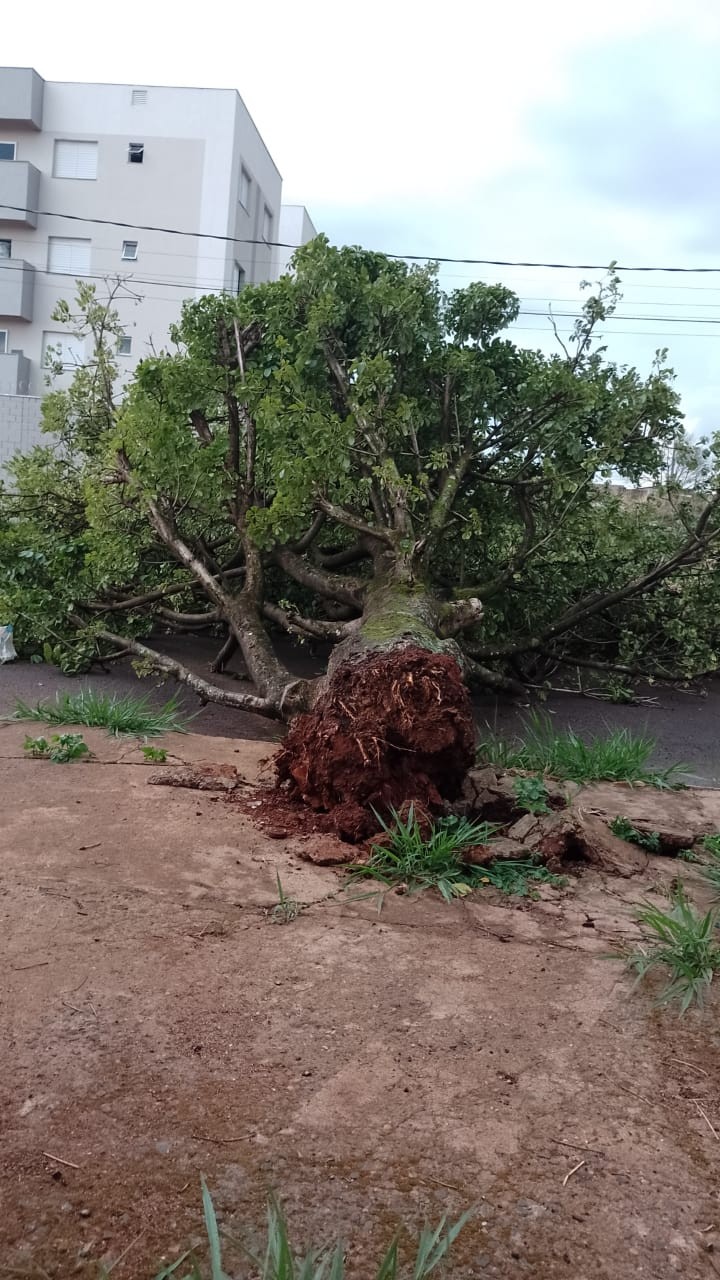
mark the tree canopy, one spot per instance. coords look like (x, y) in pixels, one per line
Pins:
(351, 453)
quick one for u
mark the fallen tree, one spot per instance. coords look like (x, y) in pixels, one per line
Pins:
(355, 459)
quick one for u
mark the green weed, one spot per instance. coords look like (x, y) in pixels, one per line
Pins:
(519, 878)
(712, 845)
(61, 749)
(619, 757)
(154, 755)
(687, 855)
(287, 909)
(117, 714)
(624, 829)
(423, 862)
(279, 1261)
(682, 944)
(531, 795)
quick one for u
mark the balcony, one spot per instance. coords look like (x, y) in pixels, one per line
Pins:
(21, 98)
(14, 374)
(17, 286)
(19, 190)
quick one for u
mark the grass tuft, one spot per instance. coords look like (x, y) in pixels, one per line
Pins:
(624, 830)
(279, 1261)
(410, 858)
(711, 870)
(117, 714)
(519, 878)
(681, 944)
(619, 757)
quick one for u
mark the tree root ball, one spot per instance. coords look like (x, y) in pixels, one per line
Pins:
(390, 728)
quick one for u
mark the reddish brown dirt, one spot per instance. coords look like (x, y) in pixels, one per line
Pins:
(373, 1069)
(390, 728)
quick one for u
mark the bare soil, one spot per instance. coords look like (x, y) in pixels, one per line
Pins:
(373, 1069)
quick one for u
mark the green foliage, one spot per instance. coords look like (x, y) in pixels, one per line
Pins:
(620, 757)
(61, 749)
(711, 844)
(280, 1261)
(154, 755)
(369, 389)
(116, 713)
(518, 878)
(531, 794)
(420, 860)
(687, 855)
(624, 829)
(682, 945)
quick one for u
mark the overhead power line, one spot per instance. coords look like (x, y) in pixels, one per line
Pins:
(410, 257)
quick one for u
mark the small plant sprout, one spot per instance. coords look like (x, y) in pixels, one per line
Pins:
(520, 878)
(681, 944)
(61, 749)
(687, 855)
(531, 795)
(154, 755)
(286, 909)
(624, 829)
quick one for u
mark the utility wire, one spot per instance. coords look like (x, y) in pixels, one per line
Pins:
(410, 257)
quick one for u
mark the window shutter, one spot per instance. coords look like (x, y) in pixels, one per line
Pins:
(69, 257)
(75, 159)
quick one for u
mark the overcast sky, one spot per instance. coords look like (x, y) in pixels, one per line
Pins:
(526, 131)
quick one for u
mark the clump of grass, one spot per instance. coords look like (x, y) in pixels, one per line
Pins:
(624, 829)
(419, 861)
(118, 714)
(154, 755)
(61, 749)
(519, 878)
(531, 795)
(681, 944)
(619, 757)
(279, 1261)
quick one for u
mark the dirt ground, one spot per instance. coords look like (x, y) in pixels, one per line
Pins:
(372, 1069)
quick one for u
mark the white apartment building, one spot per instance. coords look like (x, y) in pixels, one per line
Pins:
(96, 180)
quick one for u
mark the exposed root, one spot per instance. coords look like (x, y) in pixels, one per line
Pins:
(390, 728)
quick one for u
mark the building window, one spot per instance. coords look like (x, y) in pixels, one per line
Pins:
(267, 225)
(138, 97)
(4, 341)
(238, 277)
(245, 188)
(69, 257)
(129, 250)
(64, 350)
(125, 346)
(136, 152)
(7, 150)
(75, 159)
(5, 248)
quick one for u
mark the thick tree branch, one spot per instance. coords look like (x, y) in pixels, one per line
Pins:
(296, 625)
(206, 692)
(331, 586)
(342, 516)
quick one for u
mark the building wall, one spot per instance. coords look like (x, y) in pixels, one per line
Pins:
(196, 143)
(295, 228)
(19, 425)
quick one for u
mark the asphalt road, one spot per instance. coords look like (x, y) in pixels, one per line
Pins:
(684, 723)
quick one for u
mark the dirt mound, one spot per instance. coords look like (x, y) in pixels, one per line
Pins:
(390, 728)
